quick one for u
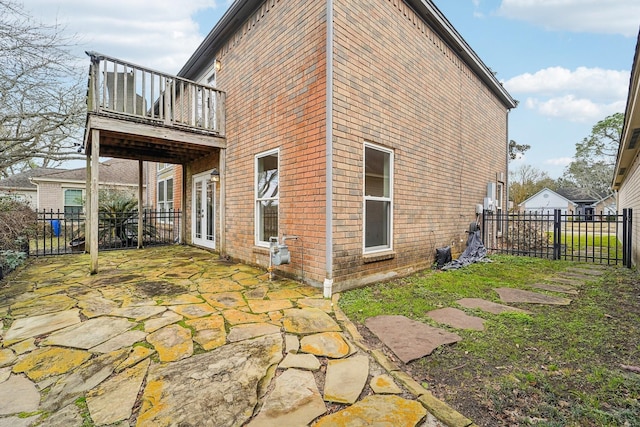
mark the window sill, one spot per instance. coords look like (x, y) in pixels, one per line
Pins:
(260, 250)
(378, 256)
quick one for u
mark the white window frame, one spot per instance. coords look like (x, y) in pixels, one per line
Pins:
(163, 204)
(257, 200)
(80, 205)
(389, 199)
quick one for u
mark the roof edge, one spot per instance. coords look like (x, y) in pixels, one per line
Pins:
(240, 10)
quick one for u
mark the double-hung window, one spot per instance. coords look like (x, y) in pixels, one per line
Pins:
(165, 195)
(72, 202)
(378, 198)
(266, 193)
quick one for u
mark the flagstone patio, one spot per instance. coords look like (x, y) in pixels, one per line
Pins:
(176, 336)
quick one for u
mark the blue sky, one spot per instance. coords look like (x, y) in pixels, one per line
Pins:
(566, 61)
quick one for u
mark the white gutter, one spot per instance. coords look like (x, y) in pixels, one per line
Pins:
(328, 281)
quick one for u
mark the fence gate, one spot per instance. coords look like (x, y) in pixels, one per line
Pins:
(599, 238)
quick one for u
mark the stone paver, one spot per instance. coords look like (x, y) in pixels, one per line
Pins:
(457, 319)
(175, 336)
(50, 361)
(225, 299)
(488, 306)
(18, 395)
(301, 361)
(193, 311)
(42, 305)
(265, 306)
(218, 385)
(39, 325)
(329, 344)
(90, 333)
(379, 411)
(172, 343)
(308, 321)
(210, 331)
(294, 401)
(521, 296)
(346, 379)
(321, 303)
(86, 377)
(7, 357)
(138, 313)
(384, 384)
(409, 339)
(113, 400)
(245, 332)
(126, 339)
(555, 287)
(167, 318)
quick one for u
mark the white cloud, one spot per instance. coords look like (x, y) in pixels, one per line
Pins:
(581, 95)
(593, 16)
(560, 161)
(595, 83)
(159, 34)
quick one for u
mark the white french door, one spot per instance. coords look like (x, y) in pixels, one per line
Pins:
(203, 230)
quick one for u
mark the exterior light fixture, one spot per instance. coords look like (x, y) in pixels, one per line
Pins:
(217, 64)
(215, 175)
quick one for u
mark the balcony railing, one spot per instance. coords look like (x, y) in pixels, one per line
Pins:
(122, 89)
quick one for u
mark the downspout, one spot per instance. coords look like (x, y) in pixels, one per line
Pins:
(328, 281)
(506, 178)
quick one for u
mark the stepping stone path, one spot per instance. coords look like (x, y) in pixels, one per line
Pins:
(521, 296)
(173, 336)
(457, 319)
(488, 306)
(555, 287)
(409, 339)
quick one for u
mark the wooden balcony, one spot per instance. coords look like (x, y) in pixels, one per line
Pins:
(147, 115)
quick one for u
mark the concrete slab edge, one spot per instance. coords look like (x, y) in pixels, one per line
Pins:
(439, 409)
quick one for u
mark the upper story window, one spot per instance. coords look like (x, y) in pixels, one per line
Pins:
(378, 198)
(267, 198)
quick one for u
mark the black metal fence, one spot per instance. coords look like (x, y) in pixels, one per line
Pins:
(58, 232)
(600, 238)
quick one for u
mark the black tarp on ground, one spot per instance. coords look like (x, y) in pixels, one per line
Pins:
(475, 252)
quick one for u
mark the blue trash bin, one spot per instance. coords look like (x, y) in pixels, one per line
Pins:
(55, 227)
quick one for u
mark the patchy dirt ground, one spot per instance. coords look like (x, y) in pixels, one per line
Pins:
(562, 366)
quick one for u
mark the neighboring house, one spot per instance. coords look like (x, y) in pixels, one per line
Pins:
(20, 187)
(361, 133)
(64, 190)
(626, 179)
(569, 202)
(546, 201)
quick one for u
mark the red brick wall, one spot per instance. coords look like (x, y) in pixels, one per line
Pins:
(399, 86)
(273, 72)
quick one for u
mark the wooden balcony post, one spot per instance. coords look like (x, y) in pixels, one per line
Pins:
(140, 216)
(95, 162)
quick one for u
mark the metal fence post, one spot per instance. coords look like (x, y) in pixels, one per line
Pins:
(628, 221)
(556, 233)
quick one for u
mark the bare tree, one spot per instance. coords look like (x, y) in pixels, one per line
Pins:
(42, 97)
(526, 181)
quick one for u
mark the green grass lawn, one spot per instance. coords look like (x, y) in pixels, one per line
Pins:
(559, 366)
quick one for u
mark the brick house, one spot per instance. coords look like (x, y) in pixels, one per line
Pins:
(362, 133)
(63, 190)
(626, 179)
